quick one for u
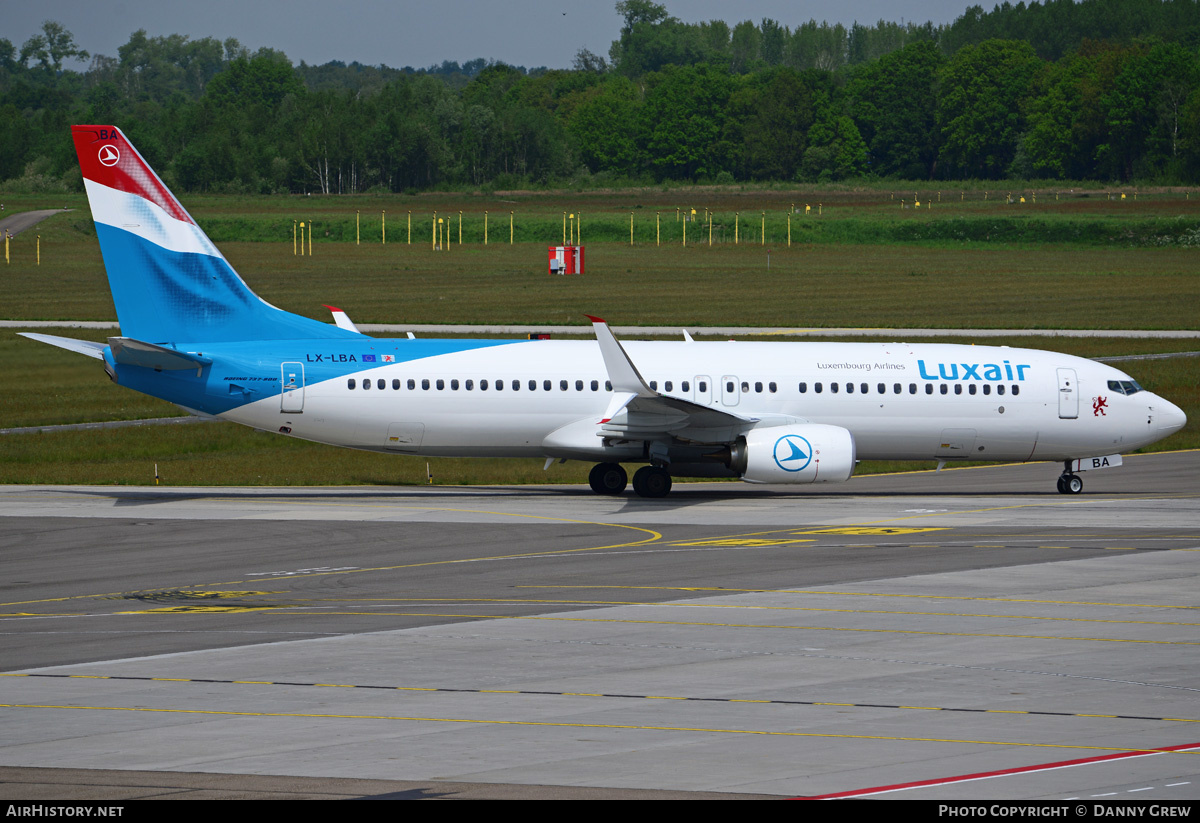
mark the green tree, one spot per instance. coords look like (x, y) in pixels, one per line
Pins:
(983, 91)
(894, 103)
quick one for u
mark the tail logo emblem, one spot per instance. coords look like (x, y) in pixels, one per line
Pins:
(109, 155)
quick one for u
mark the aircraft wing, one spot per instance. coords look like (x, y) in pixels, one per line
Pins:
(638, 412)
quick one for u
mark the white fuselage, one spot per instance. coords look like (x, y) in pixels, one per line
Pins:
(898, 400)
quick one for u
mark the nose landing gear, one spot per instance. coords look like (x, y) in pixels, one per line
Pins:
(1069, 483)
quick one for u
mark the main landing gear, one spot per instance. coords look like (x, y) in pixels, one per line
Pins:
(1069, 482)
(652, 481)
(648, 481)
(608, 478)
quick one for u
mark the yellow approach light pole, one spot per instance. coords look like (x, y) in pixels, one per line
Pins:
(433, 233)
(763, 229)
(310, 228)
(383, 227)
(301, 238)
(460, 227)
(485, 227)
(657, 229)
(293, 238)
(357, 228)
(410, 227)
(564, 228)
(510, 228)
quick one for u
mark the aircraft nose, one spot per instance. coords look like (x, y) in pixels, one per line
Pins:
(1169, 417)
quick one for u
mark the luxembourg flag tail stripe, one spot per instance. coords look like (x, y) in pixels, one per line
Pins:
(169, 282)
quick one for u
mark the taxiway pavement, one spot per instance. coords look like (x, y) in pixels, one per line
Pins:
(960, 634)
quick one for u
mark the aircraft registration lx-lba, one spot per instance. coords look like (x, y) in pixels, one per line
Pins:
(194, 334)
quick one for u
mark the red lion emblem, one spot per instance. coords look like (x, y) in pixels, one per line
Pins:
(1099, 404)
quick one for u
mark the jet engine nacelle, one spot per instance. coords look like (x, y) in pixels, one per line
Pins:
(798, 453)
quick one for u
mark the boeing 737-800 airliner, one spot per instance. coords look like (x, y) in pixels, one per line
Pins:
(193, 333)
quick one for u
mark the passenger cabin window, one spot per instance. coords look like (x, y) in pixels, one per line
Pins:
(412, 384)
(944, 388)
(772, 388)
(499, 384)
(833, 387)
(562, 385)
(702, 386)
(803, 388)
(350, 383)
(483, 385)
(469, 385)
(454, 385)
(666, 386)
(516, 385)
(367, 383)
(545, 385)
(441, 384)
(425, 384)
(380, 383)
(607, 386)
(684, 385)
(912, 388)
(758, 386)
(596, 385)
(395, 384)
(958, 388)
(929, 388)
(817, 388)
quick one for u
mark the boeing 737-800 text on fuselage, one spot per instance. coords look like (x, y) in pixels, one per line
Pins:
(194, 334)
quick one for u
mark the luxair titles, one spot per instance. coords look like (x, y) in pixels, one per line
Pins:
(993, 372)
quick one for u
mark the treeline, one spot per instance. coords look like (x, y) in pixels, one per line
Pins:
(1098, 89)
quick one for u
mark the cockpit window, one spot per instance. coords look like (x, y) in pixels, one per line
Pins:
(1124, 386)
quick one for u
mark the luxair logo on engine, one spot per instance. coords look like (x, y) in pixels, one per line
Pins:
(793, 453)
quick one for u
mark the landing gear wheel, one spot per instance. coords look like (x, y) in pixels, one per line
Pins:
(1070, 484)
(608, 478)
(651, 481)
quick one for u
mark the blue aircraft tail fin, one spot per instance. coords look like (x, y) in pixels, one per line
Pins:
(169, 282)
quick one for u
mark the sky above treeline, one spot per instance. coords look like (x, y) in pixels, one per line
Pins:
(400, 33)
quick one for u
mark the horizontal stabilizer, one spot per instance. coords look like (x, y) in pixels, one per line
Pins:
(130, 352)
(88, 347)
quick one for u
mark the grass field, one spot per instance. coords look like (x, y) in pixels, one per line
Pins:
(1083, 262)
